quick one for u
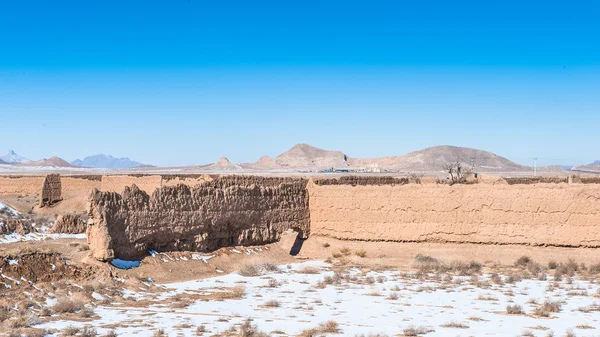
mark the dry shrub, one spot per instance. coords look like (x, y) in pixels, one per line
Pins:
(552, 265)
(308, 270)
(272, 304)
(594, 268)
(257, 269)
(326, 245)
(514, 309)
(361, 253)
(454, 325)
(24, 319)
(428, 264)
(247, 329)
(111, 333)
(345, 251)
(67, 305)
(4, 313)
(496, 278)
(323, 328)
(70, 331)
(88, 332)
(546, 308)
(38, 333)
(393, 296)
(415, 331)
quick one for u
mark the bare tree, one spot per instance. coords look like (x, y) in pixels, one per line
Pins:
(415, 177)
(458, 174)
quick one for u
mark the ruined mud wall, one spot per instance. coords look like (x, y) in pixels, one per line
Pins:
(540, 214)
(21, 185)
(51, 190)
(229, 210)
(117, 183)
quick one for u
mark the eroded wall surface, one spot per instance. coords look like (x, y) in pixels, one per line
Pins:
(227, 211)
(540, 214)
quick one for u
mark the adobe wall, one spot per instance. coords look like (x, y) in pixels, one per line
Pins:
(226, 211)
(21, 185)
(540, 214)
(117, 183)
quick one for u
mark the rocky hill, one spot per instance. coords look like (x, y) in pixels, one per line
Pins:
(223, 165)
(306, 157)
(51, 162)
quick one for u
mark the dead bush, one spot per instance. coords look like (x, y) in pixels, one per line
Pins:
(272, 304)
(414, 331)
(67, 305)
(546, 308)
(308, 270)
(247, 329)
(361, 253)
(70, 331)
(514, 309)
(257, 269)
(24, 320)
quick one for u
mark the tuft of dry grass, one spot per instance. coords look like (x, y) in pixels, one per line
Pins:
(454, 325)
(361, 253)
(415, 331)
(257, 269)
(546, 308)
(24, 320)
(308, 270)
(272, 304)
(514, 309)
(345, 251)
(67, 305)
(323, 328)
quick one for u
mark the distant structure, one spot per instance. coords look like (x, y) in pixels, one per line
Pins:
(51, 190)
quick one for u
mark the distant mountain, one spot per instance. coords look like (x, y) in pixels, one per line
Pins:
(51, 162)
(304, 156)
(434, 158)
(13, 158)
(104, 161)
(596, 163)
(223, 165)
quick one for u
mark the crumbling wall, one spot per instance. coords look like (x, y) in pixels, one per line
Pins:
(227, 211)
(51, 190)
(21, 185)
(116, 183)
(527, 214)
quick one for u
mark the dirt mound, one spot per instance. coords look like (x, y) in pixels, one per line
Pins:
(69, 224)
(36, 266)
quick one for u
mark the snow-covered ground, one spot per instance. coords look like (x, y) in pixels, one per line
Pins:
(373, 302)
(42, 235)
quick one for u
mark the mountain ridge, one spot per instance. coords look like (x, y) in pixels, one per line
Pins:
(106, 161)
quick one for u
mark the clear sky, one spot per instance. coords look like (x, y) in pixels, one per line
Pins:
(185, 82)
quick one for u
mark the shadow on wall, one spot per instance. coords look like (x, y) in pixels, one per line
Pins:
(297, 243)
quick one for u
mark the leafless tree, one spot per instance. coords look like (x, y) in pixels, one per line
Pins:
(458, 174)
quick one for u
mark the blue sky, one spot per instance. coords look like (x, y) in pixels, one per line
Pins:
(184, 82)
